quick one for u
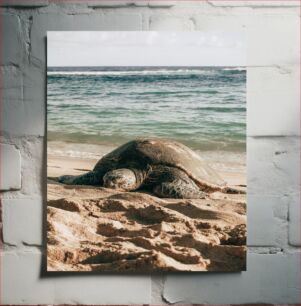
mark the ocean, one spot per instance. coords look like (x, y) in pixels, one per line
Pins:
(202, 107)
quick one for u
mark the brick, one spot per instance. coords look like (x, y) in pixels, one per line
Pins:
(294, 220)
(248, 3)
(273, 165)
(10, 167)
(261, 220)
(11, 87)
(22, 93)
(268, 279)
(22, 283)
(92, 22)
(33, 167)
(212, 22)
(24, 3)
(13, 46)
(34, 83)
(168, 23)
(22, 221)
(273, 40)
(160, 3)
(276, 89)
(12, 98)
(268, 215)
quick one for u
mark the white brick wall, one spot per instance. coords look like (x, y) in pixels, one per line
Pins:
(272, 29)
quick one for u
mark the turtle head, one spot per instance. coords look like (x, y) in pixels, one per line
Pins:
(120, 179)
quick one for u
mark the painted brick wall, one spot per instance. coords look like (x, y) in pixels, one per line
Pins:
(273, 32)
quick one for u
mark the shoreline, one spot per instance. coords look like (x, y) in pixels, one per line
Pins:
(74, 159)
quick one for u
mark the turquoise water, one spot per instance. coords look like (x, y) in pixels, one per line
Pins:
(204, 108)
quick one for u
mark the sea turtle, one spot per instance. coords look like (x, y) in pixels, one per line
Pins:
(168, 168)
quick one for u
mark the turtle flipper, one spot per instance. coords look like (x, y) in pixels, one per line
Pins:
(178, 189)
(231, 190)
(89, 178)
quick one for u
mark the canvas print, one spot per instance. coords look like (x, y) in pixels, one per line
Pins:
(146, 151)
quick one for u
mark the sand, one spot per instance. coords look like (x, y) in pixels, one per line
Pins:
(99, 229)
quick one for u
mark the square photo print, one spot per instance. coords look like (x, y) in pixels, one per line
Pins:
(146, 151)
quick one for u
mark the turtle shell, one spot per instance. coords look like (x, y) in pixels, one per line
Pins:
(163, 152)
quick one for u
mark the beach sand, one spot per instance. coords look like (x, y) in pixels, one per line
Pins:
(99, 229)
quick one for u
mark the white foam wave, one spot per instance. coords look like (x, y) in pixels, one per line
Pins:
(117, 73)
(234, 69)
(73, 154)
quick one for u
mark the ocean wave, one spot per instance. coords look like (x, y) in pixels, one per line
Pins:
(141, 72)
(204, 108)
(235, 69)
(73, 153)
(221, 109)
(202, 144)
